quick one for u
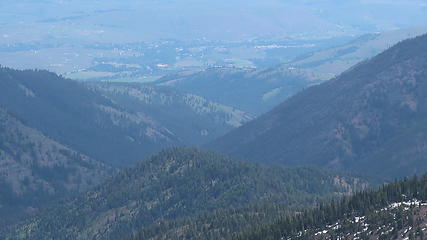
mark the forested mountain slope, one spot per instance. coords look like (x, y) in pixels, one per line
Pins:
(253, 91)
(219, 224)
(97, 126)
(395, 211)
(69, 113)
(370, 119)
(193, 119)
(179, 183)
(35, 170)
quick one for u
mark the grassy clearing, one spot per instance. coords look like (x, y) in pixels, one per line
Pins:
(135, 79)
(88, 75)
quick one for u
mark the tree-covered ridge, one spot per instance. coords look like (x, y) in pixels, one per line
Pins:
(71, 114)
(395, 211)
(218, 224)
(193, 119)
(179, 183)
(370, 119)
(35, 170)
(111, 124)
(254, 91)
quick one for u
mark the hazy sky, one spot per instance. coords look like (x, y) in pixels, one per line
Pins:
(191, 19)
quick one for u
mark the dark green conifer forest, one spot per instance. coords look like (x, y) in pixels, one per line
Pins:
(374, 205)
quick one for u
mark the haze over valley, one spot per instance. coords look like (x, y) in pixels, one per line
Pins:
(217, 120)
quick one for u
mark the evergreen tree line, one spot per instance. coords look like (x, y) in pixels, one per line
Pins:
(177, 189)
(361, 204)
(219, 224)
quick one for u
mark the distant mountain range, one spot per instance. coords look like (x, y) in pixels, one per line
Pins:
(370, 119)
(133, 20)
(257, 91)
(177, 183)
(329, 63)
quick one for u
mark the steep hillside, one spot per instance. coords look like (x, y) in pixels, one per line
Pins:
(369, 119)
(253, 91)
(193, 119)
(259, 90)
(179, 183)
(34, 170)
(117, 133)
(394, 212)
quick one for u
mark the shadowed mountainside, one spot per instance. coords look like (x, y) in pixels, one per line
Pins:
(35, 170)
(369, 119)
